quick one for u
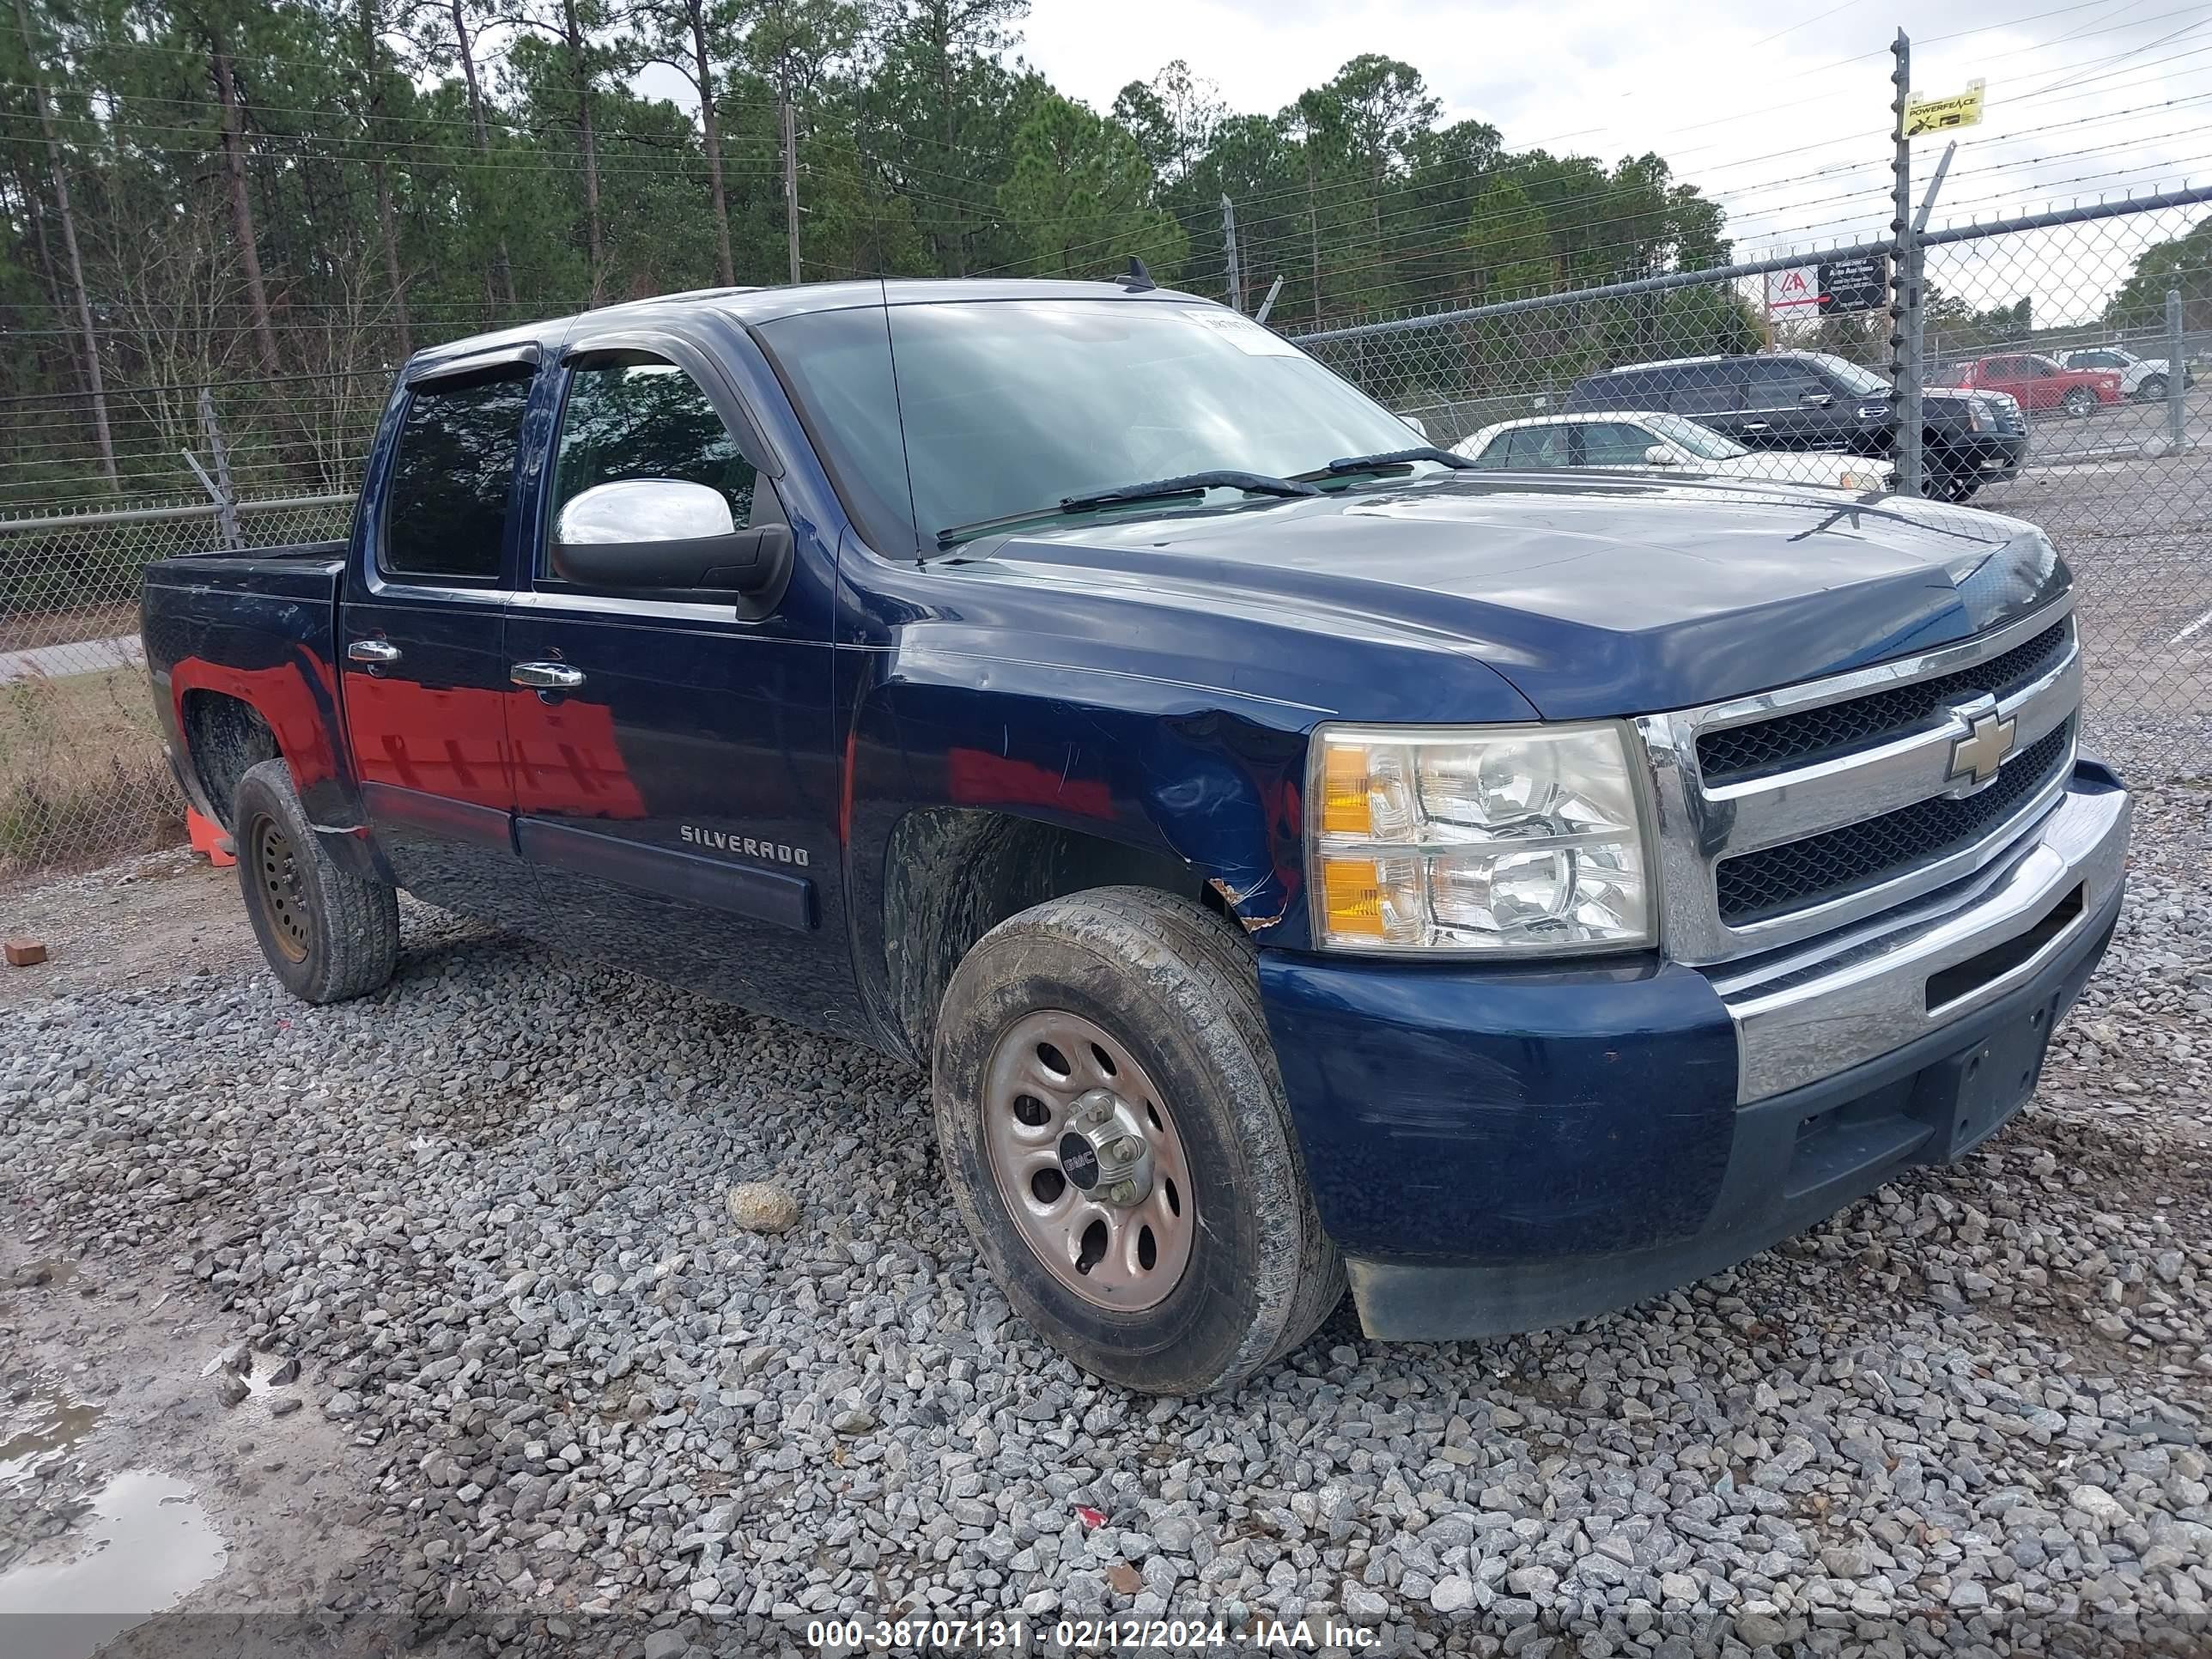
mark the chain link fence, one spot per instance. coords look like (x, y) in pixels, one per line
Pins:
(81, 775)
(2062, 386)
(2066, 362)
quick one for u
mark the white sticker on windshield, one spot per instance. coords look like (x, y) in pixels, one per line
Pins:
(1247, 335)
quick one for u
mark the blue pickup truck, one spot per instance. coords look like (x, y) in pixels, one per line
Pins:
(1297, 859)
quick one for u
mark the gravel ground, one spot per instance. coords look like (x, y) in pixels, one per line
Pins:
(576, 1408)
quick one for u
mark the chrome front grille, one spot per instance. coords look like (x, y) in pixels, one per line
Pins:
(1789, 814)
(1730, 753)
(1779, 879)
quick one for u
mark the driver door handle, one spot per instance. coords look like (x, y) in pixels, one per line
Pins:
(372, 651)
(1754, 426)
(546, 676)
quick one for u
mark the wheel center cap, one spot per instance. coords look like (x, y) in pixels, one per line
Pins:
(1107, 1153)
(1079, 1160)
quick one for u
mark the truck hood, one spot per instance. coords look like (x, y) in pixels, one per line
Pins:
(1592, 596)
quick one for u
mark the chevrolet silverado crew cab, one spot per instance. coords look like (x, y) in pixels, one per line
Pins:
(1813, 400)
(1294, 853)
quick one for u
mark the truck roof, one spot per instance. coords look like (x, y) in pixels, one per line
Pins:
(759, 305)
(1693, 362)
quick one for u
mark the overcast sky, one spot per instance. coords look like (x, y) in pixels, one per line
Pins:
(1779, 111)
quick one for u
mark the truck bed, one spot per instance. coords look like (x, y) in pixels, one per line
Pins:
(259, 626)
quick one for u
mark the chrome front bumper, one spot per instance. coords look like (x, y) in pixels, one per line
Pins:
(1809, 1012)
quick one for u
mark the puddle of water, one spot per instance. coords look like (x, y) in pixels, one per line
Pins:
(49, 1422)
(149, 1541)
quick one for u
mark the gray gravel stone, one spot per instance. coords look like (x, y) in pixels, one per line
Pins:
(533, 1309)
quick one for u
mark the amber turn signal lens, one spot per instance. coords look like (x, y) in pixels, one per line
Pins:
(1353, 897)
(1345, 807)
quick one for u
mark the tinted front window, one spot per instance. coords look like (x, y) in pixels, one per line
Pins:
(1609, 443)
(1007, 406)
(647, 419)
(1778, 385)
(445, 513)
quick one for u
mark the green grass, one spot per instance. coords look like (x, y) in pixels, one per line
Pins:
(82, 773)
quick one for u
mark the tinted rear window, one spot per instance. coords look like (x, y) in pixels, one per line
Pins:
(445, 513)
(1644, 389)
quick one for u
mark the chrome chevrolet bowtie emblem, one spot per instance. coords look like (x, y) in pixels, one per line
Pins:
(1976, 756)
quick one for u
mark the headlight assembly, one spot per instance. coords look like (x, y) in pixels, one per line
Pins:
(1496, 840)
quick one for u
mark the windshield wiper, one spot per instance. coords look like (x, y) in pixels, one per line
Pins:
(1387, 459)
(1191, 483)
(1156, 490)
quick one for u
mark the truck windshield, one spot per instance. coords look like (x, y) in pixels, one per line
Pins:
(1859, 382)
(1010, 404)
(1700, 441)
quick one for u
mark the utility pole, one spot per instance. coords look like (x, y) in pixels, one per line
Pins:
(1228, 239)
(1313, 226)
(59, 170)
(790, 173)
(1905, 285)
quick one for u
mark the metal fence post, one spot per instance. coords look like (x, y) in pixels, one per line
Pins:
(1905, 287)
(2177, 371)
(1229, 244)
(225, 499)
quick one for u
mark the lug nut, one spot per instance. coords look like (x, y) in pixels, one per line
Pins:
(1128, 1149)
(1123, 1192)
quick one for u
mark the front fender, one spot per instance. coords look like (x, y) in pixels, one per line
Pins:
(1169, 773)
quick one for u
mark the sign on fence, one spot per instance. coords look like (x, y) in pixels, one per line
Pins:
(1960, 109)
(1854, 284)
(1797, 288)
(1837, 285)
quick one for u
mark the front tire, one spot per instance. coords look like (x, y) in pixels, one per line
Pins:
(327, 934)
(2079, 402)
(1948, 483)
(1114, 1132)
(2153, 389)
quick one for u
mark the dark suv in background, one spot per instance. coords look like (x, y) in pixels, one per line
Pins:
(1810, 400)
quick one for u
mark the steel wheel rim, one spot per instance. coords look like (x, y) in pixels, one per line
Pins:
(1127, 1254)
(276, 867)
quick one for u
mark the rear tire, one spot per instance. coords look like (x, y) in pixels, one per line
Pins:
(1016, 1084)
(2153, 389)
(2079, 402)
(327, 934)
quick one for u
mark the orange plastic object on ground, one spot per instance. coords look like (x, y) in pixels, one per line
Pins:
(209, 838)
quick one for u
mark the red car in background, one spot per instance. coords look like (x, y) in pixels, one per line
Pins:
(2039, 382)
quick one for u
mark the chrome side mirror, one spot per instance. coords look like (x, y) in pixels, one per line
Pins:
(665, 533)
(643, 510)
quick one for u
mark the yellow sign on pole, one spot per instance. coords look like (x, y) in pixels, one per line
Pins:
(1960, 109)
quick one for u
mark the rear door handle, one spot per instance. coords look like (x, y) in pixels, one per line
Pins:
(374, 650)
(546, 676)
(1755, 425)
